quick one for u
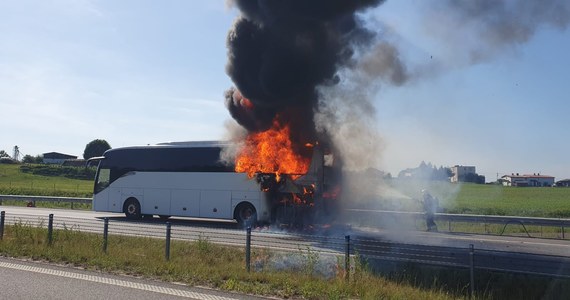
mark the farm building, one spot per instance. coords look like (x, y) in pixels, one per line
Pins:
(56, 158)
(527, 180)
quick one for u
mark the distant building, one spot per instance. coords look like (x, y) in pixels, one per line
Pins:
(563, 183)
(461, 173)
(56, 158)
(527, 180)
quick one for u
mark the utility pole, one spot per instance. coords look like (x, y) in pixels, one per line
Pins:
(16, 155)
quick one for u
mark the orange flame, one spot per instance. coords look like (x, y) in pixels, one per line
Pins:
(271, 151)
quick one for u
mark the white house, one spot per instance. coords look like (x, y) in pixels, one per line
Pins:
(462, 172)
(527, 180)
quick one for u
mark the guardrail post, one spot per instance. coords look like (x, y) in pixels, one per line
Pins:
(168, 228)
(248, 249)
(50, 229)
(105, 234)
(471, 270)
(2, 217)
(347, 257)
(563, 232)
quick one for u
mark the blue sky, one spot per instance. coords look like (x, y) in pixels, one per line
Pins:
(143, 72)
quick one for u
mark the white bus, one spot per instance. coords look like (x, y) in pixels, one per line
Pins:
(189, 180)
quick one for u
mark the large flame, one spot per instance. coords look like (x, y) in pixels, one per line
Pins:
(271, 151)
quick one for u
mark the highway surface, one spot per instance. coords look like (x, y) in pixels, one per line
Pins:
(484, 242)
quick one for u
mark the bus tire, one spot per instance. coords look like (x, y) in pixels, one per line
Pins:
(132, 209)
(245, 215)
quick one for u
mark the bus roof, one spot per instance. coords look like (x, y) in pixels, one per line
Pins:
(173, 145)
(197, 144)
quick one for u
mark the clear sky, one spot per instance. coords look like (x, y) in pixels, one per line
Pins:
(142, 72)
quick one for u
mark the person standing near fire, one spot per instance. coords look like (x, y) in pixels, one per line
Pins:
(430, 205)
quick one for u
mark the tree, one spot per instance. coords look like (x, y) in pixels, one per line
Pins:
(28, 159)
(3, 154)
(95, 148)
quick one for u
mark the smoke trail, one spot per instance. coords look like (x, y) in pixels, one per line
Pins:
(486, 28)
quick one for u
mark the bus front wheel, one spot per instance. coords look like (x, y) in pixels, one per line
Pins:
(132, 209)
(245, 215)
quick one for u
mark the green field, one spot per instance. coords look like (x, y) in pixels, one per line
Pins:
(515, 201)
(481, 199)
(15, 182)
(465, 198)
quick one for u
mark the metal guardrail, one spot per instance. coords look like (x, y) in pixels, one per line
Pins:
(44, 199)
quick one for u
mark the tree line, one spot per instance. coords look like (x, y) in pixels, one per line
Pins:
(93, 149)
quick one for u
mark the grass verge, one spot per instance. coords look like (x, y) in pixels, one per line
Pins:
(202, 263)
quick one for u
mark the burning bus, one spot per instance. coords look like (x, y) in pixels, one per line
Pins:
(190, 180)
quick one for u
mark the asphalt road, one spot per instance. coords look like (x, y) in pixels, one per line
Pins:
(35, 280)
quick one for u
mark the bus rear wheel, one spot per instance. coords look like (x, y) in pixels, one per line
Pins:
(245, 215)
(132, 209)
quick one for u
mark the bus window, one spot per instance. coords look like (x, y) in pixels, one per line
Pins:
(103, 178)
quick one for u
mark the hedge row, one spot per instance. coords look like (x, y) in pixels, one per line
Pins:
(68, 172)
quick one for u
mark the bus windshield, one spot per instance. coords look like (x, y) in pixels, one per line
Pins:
(103, 179)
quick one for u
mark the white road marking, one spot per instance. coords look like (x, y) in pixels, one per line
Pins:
(116, 282)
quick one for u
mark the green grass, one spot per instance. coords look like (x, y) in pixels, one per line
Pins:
(204, 263)
(466, 198)
(15, 182)
(514, 201)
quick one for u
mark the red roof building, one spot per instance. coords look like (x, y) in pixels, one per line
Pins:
(527, 180)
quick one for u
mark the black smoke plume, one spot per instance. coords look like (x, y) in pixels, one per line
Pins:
(279, 52)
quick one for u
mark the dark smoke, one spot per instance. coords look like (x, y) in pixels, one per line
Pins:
(315, 65)
(280, 51)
